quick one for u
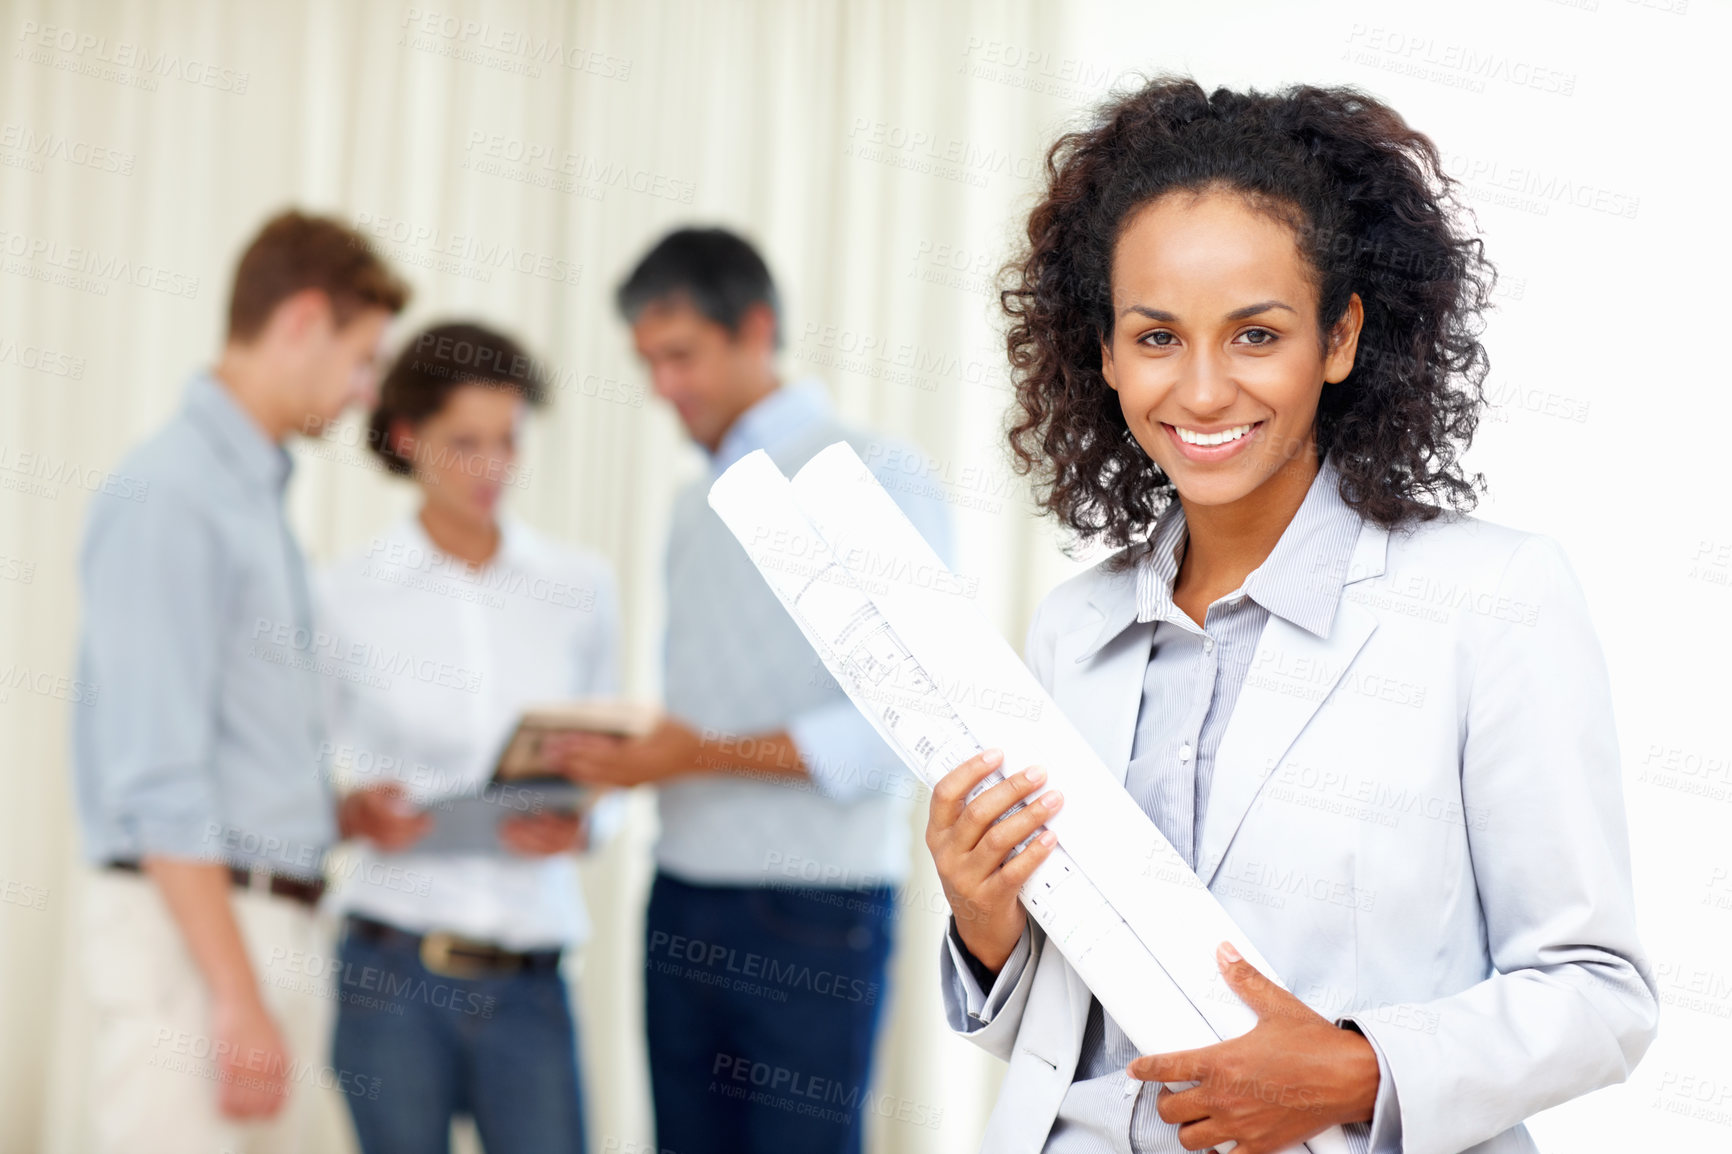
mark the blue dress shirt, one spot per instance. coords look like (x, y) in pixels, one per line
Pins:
(204, 739)
(738, 666)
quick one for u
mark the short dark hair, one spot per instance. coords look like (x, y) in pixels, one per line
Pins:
(295, 251)
(718, 272)
(432, 367)
(1373, 212)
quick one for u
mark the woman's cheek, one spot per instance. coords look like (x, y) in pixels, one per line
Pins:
(1144, 425)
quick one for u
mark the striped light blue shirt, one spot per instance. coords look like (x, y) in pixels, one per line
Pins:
(1190, 685)
(204, 741)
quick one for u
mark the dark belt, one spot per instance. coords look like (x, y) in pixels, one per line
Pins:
(451, 956)
(256, 879)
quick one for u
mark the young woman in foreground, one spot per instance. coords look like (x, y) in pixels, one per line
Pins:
(1245, 344)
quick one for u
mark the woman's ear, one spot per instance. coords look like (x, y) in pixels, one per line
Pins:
(1343, 345)
(400, 436)
(1107, 365)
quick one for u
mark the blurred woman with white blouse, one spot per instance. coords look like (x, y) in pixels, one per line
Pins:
(450, 994)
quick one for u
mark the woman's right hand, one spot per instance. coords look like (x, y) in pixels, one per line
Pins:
(969, 850)
(384, 815)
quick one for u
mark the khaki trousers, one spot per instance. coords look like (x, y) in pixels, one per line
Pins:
(153, 1080)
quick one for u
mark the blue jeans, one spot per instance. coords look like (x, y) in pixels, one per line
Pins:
(502, 1049)
(762, 1005)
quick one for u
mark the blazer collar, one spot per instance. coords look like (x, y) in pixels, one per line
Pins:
(1115, 597)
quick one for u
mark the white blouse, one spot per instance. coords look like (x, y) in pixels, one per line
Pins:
(429, 665)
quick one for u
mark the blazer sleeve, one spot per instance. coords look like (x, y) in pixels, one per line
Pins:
(1570, 1005)
(991, 1018)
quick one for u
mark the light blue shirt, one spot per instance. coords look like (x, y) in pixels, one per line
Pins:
(197, 633)
(737, 666)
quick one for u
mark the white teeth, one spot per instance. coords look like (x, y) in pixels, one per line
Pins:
(1192, 437)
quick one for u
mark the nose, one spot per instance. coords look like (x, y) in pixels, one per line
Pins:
(1205, 386)
(664, 382)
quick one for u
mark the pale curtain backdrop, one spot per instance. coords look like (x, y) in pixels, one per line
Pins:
(884, 156)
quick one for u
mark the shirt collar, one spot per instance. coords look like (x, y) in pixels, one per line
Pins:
(236, 437)
(773, 418)
(513, 551)
(1301, 579)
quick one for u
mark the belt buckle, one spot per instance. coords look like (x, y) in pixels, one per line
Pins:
(437, 954)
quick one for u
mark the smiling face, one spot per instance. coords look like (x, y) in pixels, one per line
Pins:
(1215, 351)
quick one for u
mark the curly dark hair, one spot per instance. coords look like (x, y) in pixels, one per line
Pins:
(431, 367)
(1373, 212)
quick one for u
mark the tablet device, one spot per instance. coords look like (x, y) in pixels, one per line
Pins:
(524, 782)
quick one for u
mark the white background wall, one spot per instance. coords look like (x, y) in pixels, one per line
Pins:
(883, 154)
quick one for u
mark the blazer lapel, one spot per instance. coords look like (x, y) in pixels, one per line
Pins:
(1292, 674)
(1097, 676)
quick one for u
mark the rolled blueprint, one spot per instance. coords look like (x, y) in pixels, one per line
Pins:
(894, 627)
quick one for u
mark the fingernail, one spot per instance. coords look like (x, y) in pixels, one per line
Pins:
(1035, 774)
(992, 756)
(1048, 838)
(1051, 799)
(1227, 953)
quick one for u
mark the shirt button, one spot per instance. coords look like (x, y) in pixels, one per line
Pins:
(1208, 645)
(1131, 1086)
(1185, 752)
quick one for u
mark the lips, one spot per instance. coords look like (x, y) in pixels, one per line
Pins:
(1221, 437)
(1207, 446)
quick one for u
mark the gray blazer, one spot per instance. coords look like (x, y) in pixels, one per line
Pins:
(1418, 821)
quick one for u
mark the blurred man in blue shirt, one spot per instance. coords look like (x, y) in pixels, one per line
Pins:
(198, 772)
(784, 817)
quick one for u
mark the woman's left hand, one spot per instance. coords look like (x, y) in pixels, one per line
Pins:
(1294, 1075)
(542, 834)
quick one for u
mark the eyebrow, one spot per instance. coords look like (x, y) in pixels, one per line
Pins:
(1236, 315)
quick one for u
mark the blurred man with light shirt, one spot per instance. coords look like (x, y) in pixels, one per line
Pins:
(198, 779)
(784, 817)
